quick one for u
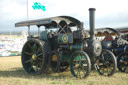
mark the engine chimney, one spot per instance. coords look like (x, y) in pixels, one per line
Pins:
(92, 22)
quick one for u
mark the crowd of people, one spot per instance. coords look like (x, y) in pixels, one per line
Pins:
(11, 45)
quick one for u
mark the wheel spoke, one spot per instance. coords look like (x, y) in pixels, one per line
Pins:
(38, 62)
(33, 63)
(31, 48)
(85, 61)
(101, 59)
(80, 66)
(28, 53)
(78, 72)
(38, 50)
(75, 61)
(34, 68)
(108, 71)
(39, 54)
(40, 59)
(34, 47)
(83, 70)
(110, 68)
(28, 61)
(80, 59)
(37, 67)
(30, 68)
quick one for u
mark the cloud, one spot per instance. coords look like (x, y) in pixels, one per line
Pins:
(110, 13)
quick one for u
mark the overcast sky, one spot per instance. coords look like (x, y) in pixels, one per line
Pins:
(109, 13)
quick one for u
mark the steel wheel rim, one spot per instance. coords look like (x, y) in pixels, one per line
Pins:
(79, 65)
(123, 63)
(32, 57)
(105, 64)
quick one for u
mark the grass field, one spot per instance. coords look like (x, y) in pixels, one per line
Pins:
(12, 73)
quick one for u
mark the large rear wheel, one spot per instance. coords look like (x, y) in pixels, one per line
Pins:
(35, 56)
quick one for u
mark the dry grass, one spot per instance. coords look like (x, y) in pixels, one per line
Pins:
(12, 73)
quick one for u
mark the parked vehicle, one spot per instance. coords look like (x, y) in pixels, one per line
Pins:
(63, 47)
(114, 42)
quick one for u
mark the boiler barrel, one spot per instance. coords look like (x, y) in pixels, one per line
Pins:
(74, 47)
(120, 49)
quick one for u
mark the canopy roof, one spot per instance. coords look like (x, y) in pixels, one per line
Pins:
(51, 22)
(122, 29)
(106, 31)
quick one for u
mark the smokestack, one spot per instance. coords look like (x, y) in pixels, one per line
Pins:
(92, 22)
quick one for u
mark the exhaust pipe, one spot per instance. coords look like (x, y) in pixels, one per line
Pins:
(92, 22)
(94, 46)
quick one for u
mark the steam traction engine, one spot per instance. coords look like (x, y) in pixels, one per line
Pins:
(114, 42)
(63, 47)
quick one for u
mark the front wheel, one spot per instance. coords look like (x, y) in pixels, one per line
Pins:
(106, 63)
(80, 64)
